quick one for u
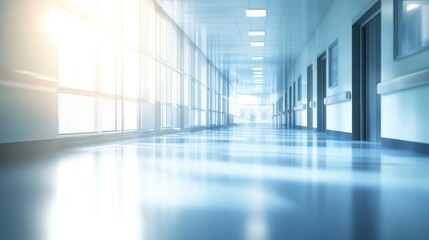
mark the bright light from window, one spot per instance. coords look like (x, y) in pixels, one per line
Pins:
(412, 6)
(256, 13)
(256, 33)
(257, 44)
(257, 58)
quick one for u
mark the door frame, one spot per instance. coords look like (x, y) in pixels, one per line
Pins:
(321, 92)
(358, 87)
(310, 96)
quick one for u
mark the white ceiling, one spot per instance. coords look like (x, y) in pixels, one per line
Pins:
(220, 28)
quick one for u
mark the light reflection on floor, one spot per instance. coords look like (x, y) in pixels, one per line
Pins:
(249, 183)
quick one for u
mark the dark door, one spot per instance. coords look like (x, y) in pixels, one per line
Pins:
(321, 92)
(366, 76)
(371, 66)
(309, 96)
(294, 105)
(289, 111)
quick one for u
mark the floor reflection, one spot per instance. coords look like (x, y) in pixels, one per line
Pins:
(237, 183)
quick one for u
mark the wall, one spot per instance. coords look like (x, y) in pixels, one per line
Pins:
(404, 114)
(336, 25)
(27, 72)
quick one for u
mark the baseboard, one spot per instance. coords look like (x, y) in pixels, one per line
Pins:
(300, 127)
(340, 135)
(406, 145)
(13, 152)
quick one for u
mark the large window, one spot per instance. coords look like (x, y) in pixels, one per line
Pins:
(119, 71)
(412, 26)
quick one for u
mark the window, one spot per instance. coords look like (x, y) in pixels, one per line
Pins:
(333, 65)
(411, 26)
(76, 113)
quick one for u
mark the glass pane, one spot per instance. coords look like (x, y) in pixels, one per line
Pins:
(152, 80)
(174, 87)
(152, 31)
(76, 54)
(107, 12)
(168, 85)
(76, 113)
(107, 65)
(162, 78)
(333, 65)
(163, 38)
(131, 20)
(203, 97)
(414, 25)
(107, 108)
(131, 73)
(130, 115)
(186, 91)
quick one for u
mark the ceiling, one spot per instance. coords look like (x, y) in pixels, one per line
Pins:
(220, 28)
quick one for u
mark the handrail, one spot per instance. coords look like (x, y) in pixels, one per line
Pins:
(338, 98)
(301, 107)
(408, 81)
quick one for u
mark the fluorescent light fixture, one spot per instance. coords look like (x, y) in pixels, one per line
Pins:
(256, 12)
(258, 82)
(258, 76)
(257, 44)
(257, 58)
(412, 6)
(257, 73)
(257, 69)
(256, 33)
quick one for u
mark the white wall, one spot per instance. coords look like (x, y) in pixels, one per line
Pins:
(404, 114)
(28, 104)
(336, 25)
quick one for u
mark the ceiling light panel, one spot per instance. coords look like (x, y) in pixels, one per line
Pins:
(257, 58)
(256, 33)
(257, 44)
(256, 12)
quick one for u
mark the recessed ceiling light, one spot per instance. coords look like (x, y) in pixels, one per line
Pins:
(257, 69)
(257, 73)
(256, 33)
(258, 81)
(257, 58)
(257, 76)
(257, 44)
(256, 12)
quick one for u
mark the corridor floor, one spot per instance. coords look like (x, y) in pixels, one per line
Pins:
(244, 182)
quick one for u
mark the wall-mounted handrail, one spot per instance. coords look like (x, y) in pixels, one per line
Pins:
(338, 98)
(301, 107)
(408, 81)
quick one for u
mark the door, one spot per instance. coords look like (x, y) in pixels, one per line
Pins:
(366, 76)
(321, 92)
(309, 97)
(290, 108)
(371, 66)
(294, 105)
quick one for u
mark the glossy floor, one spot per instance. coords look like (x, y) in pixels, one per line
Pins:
(249, 182)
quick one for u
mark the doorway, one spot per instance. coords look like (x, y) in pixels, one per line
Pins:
(294, 105)
(290, 110)
(309, 97)
(321, 92)
(366, 76)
